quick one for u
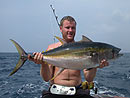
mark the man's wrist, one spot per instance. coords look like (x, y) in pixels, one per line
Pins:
(43, 63)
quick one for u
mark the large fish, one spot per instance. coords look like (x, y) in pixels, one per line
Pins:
(83, 54)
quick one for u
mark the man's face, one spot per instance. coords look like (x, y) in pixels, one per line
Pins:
(68, 30)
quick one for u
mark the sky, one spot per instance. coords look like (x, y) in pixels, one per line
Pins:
(32, 24)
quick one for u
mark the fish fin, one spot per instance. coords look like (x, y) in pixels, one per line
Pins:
(18, 66)
(61, 40)
(59, 71)
(44, 51)
(22, 59)
(84, 38)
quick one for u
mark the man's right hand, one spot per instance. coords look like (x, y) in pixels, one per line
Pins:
(38, 58)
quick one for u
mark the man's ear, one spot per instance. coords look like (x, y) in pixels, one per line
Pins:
(60, 28)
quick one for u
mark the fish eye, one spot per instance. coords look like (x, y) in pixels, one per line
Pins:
(113, 51)
(93, 53)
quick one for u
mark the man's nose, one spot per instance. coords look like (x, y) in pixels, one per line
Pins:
(70, 29)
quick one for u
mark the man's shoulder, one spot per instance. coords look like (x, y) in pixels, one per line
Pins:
(55, 45)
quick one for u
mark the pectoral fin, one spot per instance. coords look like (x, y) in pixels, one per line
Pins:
(59, 71)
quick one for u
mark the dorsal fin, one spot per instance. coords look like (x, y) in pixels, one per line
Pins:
(84, 38)
(61, 40)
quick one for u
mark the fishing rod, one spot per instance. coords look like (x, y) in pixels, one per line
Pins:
(56, 17)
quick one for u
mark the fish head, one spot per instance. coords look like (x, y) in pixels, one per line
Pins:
(115, 52)
(110, 53)
(106, 52)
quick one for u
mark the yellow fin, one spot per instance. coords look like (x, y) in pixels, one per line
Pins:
(53, 78)
(59, 71)
(44, 51)
(61, 40)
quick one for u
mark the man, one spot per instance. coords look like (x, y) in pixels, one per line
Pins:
(67, 78)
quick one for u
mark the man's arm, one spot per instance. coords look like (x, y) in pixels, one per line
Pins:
(46, 72)
(90, 74)
(46, 69)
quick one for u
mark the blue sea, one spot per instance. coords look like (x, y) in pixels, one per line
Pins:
(27, 82)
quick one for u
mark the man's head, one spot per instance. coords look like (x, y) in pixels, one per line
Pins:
(68, 28)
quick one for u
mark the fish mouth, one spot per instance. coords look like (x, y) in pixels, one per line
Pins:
(116, 53)
(117, 50)
(119, 55)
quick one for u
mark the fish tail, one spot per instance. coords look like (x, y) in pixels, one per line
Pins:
(23, 57)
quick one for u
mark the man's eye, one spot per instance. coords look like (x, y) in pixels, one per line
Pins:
(67, 27)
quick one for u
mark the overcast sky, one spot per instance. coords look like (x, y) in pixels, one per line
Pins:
(32, 24)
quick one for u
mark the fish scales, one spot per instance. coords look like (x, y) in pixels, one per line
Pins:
(78, 46)
(78, 55)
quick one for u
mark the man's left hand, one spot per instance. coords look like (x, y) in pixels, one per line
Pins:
(103, 63)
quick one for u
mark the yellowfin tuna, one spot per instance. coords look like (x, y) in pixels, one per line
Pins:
(79, 55)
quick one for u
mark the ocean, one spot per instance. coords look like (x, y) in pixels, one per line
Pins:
(27, 82)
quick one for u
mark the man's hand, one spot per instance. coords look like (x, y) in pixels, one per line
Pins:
(103, 63)
(38, 58)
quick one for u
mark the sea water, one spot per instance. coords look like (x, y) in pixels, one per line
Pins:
(27, 82)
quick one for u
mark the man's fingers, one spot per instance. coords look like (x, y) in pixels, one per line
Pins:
(103, 63)
(30, 57)
(38, 58)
